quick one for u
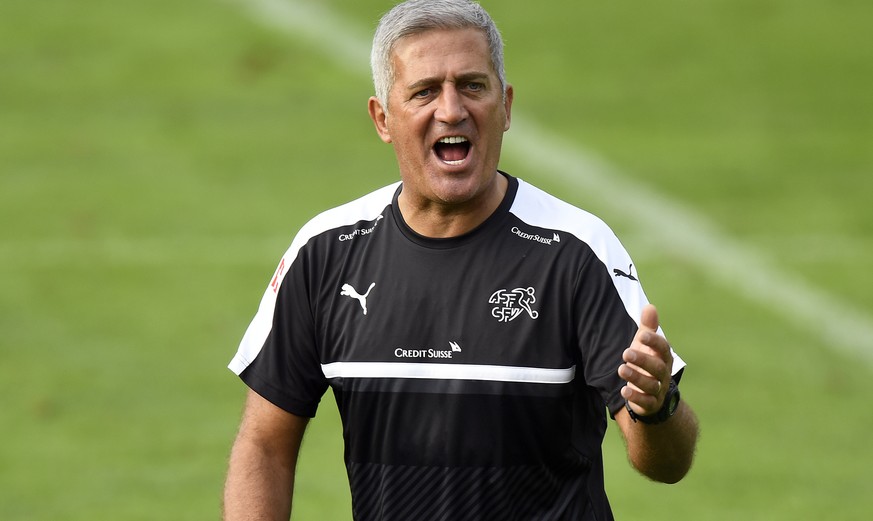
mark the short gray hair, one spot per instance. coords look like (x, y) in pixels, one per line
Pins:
(417, 16)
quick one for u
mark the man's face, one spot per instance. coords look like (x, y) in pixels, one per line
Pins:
(446, 116)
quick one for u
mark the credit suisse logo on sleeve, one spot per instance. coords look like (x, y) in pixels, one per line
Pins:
(360, 232)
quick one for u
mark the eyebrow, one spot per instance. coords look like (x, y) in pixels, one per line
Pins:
(468, 76)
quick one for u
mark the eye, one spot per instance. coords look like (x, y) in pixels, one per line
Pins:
(476, 86)
(423, 93)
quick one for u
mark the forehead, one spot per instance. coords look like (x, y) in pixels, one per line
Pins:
(441, 53)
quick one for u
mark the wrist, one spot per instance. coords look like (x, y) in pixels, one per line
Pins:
(667, 410)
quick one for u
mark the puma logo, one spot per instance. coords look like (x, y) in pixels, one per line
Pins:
(619, 273)
(349, 291)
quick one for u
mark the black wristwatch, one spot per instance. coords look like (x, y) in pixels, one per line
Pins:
(671, 403)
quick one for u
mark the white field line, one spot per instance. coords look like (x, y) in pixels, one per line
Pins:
(688, 234)
(344, 42)
(677, 227)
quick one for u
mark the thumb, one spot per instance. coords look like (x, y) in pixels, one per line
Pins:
(649, 318)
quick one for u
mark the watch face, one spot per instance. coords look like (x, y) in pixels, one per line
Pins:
(674, 402)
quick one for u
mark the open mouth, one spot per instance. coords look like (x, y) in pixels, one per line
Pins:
(452, 150)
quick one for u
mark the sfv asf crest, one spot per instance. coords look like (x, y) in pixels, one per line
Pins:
(509, 304)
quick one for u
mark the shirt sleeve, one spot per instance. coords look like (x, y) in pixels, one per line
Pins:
(609, 309)
(278, 356)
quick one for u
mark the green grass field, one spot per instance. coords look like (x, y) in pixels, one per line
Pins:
(156, 158)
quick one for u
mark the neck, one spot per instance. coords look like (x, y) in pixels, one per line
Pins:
(440, 220)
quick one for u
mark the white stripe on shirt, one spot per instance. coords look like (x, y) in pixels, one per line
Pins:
(495, 373)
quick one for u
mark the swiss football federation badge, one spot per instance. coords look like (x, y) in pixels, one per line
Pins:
(509, 304)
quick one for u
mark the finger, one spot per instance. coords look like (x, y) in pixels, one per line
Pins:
(649, 364)
(649, 318)
(641, 380)
(642, 403)
(648, 333)
(655, 344)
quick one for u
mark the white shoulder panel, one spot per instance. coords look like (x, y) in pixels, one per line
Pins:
(539, 208)
(366, 208)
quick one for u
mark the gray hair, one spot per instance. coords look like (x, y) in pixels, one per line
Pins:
(417, 16)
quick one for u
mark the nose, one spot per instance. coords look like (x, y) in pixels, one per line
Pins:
(450, 106)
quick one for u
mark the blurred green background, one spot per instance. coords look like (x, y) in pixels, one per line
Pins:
(156, 158)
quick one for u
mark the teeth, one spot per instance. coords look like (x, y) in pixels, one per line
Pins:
(452, 140)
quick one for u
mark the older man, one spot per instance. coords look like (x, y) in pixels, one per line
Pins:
(475, 330)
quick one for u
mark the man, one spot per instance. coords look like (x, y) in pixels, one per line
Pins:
(474, 329)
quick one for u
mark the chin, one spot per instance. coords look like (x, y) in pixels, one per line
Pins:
(458, 190)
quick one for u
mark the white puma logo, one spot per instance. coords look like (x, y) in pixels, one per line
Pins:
(349, 291)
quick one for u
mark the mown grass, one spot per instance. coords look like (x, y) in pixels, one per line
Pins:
(157, 157)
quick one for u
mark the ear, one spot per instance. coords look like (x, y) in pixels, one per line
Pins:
(380, 118)
(507, 106)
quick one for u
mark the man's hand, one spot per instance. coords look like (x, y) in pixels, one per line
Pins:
(662, 452)
(648, 366)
